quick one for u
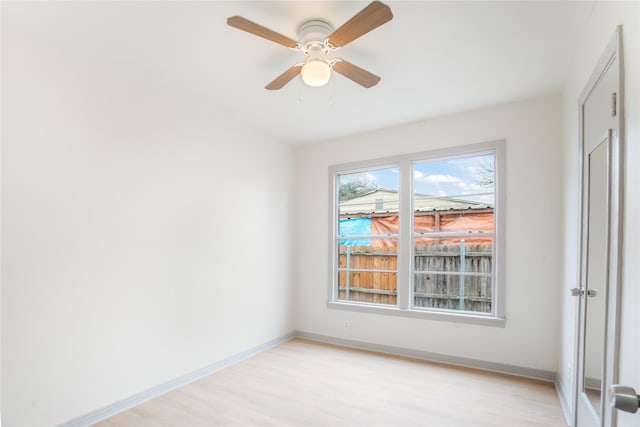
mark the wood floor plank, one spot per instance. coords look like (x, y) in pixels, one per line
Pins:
(305, 383)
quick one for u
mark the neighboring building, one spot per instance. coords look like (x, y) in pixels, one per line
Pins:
(385, 201)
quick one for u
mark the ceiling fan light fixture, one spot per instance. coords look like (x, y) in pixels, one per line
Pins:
(316, 72)
(316, 39)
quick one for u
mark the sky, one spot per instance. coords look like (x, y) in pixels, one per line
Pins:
(457, 178)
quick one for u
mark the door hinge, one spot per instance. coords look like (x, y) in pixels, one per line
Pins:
(614, 102)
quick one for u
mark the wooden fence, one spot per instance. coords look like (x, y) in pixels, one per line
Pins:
(449, 276)
(360, 283)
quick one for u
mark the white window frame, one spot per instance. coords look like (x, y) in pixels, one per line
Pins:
(404, 306)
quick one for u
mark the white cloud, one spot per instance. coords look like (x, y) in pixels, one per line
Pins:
(437, 179)
(464, 187)
(474, 170)
(469, 188)
(371, 177)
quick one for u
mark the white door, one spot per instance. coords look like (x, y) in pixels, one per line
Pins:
(598, 291)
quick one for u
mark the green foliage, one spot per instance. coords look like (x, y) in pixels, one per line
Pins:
(355, 188)
(486, 177)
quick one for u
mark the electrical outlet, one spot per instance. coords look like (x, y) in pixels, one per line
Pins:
(347, 325)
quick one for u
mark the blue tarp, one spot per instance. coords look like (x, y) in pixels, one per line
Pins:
(355, 227)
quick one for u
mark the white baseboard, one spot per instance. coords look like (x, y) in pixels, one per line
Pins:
(538, 374)
(562, 396)
(122, 405)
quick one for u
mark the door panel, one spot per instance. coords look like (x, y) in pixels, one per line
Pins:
(597, 331)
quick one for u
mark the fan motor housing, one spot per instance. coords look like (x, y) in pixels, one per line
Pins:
(314, 31)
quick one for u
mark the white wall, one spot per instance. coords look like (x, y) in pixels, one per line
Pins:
(604, 19)
(533, 133)
(143, 235)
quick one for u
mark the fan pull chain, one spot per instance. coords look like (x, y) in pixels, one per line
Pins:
(331, 93)
(299, 88)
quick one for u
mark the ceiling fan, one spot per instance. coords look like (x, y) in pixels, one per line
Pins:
(316, 39)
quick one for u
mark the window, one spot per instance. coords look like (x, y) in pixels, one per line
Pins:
(420, 235)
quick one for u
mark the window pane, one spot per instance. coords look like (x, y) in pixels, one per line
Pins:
(454, 195)
(368, 203)
(368, 273)
(444, 291)
(446, 268)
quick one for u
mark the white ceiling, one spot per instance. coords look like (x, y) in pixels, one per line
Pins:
(434, 58)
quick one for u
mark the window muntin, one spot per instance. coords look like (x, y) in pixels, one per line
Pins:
(463, 216)
(367, 237)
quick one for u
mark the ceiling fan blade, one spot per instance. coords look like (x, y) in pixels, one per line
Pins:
(369, 18)
(284, 78)
(251, 27)
(355, 73)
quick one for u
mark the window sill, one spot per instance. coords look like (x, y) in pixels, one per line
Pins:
(447, 316)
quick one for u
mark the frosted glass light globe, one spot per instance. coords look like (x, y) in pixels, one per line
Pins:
(316, 73)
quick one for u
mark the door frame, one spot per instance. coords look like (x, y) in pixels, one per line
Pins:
(612, 53)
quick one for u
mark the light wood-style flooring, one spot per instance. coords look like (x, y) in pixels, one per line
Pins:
(305, 383)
